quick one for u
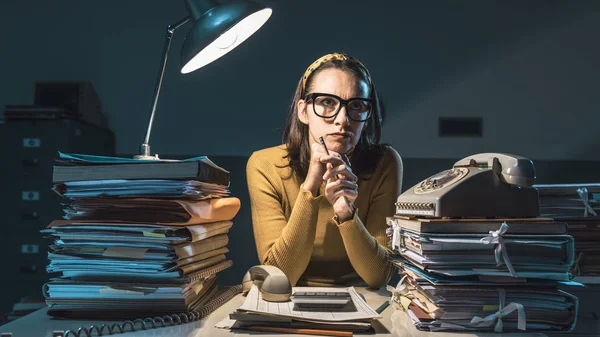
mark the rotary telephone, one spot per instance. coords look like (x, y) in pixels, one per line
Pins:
(485, 185)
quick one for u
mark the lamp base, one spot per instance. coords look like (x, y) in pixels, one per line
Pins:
(145, 153)
(144, 157)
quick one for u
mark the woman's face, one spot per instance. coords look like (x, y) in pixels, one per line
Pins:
(341, 133)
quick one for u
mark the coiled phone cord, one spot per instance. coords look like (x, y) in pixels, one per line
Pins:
(152, 323)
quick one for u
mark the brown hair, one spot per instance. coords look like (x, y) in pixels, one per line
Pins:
(295, 133)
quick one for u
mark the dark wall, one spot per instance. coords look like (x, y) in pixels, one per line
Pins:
(527, 68)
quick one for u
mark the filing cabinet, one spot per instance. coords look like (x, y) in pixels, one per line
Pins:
(28, 149)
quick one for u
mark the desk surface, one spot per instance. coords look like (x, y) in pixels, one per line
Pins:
(392, 323)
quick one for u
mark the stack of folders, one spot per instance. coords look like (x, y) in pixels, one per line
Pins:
(138, 238)
(579, 206)
(483, 274)
(569, 200)
(256, 312)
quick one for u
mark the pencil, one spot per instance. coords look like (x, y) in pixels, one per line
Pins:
(322, 140)
(319, 332)
(325, 146)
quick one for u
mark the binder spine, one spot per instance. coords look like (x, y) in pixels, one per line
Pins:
(156, 322)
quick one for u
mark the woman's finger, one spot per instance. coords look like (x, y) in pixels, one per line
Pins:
(343, 183)
(340, 172)
(317, 150)
(333, 186)
(350, 195)
(332, 158)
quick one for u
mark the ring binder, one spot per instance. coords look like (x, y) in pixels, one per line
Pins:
(156, 322)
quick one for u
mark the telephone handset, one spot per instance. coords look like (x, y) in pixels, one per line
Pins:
(481, 185)
(270, 280)
(514, 169)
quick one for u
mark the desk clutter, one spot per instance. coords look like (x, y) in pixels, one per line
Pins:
(139, 238)
(256, 312)
(491, 268)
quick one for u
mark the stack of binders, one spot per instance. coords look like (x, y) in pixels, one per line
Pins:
(579, 206)
(483, 274)
(139, 238)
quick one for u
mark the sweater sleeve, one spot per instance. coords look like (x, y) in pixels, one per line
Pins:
(284, 243)
(365, 242)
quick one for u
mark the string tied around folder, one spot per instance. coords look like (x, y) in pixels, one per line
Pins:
(398, 292)
(576, 269)
(479, 322)
(585, 198)
(500, 253)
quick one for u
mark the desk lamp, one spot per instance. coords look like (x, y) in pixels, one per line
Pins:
(218, 28)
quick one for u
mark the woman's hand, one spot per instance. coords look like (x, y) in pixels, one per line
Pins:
(316, 169)
(341, 189)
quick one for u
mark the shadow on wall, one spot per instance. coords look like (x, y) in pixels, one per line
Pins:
(242, 250)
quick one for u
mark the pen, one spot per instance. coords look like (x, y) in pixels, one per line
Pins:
(334, 333)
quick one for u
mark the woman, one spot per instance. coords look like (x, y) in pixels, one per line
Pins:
(320, 217)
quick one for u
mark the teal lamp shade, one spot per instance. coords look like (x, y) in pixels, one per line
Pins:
(218, 29)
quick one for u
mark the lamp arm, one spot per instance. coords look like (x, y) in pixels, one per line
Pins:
(145, 147)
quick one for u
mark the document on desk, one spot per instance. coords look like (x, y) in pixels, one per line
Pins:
(254, 303)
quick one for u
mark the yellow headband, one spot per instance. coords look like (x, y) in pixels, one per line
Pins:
(334, 56)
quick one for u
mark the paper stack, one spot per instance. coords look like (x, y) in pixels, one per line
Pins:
(579, 206)
(483, 274)
(139, 238)
(255, 311)
(569, 200)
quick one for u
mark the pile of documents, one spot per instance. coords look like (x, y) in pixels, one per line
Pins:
(579, 206)
(139, 238)
(569, 200)
(256, 312)
(483, 274)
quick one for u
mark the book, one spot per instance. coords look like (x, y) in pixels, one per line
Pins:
(86, 167)
(479, 226)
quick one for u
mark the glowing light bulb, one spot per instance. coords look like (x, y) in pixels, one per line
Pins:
(227, 39)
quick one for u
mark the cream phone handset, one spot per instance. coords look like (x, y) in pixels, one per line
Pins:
(514, 169)
(480, 185)
(270, 280)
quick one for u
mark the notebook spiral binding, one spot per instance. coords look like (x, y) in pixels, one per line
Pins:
(156, 322)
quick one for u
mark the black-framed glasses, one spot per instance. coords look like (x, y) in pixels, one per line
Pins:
(328, 106)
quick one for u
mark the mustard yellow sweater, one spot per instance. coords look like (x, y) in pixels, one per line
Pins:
(298, 233)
